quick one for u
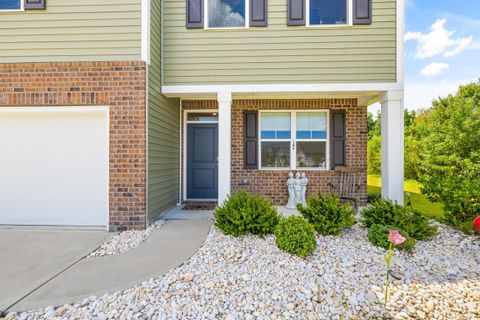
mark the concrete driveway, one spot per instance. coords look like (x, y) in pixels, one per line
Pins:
(30, 257)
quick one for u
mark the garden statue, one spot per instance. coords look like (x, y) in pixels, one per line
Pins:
(298, 188)
(291, 191)
(303, 183)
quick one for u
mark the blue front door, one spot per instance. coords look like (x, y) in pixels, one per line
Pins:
(202, 161)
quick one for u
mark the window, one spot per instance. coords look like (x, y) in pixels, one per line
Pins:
(311, 139)
(202, 117)
(328, 12)
(226, 13)
(11, 4)
(275, 134)
(294, 140)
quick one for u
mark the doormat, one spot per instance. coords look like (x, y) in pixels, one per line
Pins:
(199, 206)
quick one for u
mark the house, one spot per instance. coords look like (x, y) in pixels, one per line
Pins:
(112, 112)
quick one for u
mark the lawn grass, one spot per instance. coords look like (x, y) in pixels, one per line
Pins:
(419, 201)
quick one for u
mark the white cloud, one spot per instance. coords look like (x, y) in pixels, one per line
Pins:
(434, 69)
(438, 40)
(222, 15)
(419, 94)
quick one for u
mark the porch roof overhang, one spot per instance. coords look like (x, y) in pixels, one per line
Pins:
(366, 93)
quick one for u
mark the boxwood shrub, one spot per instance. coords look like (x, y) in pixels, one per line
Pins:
(296, 236)
(327, 215)
(378, 235)
(243, 213)
(388, 213)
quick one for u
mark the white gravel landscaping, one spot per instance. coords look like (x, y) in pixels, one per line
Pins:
(125, 241)
(251, 278)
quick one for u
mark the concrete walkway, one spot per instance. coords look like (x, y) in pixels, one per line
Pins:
(29, 257)
(167, 248)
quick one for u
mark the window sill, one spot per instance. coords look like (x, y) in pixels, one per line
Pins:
(225, 28)
(11, 10)
(330, 26)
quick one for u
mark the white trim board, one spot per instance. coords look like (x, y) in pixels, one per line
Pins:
(400, 18)
(145, 37)
(351, 88)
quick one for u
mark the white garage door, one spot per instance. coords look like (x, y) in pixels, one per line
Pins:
(54, 166)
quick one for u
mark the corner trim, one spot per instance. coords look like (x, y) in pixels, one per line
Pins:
(145, 41)
(400, 18)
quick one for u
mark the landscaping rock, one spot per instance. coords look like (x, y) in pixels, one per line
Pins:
(125, 241)
(250, 278)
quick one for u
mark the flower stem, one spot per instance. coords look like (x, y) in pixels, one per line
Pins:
(389, 256)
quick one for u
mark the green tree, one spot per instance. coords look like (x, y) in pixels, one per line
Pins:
(450, 166)
(374, 156)
(412, 144)
(373, 124)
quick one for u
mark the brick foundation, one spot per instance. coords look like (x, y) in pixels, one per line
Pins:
(271, 183)
(121, 86)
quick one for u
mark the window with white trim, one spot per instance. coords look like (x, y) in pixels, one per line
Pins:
(294, 139)
(328, 12)
(227, 13)
(11, 5)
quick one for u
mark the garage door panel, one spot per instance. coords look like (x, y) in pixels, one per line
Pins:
(54, 167)
(42, 210)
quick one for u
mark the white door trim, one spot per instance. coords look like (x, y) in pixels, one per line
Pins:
(183, 149)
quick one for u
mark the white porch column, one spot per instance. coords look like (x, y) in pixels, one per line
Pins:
(224, 144)
(392, 145)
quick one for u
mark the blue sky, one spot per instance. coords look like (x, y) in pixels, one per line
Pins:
(442, 48)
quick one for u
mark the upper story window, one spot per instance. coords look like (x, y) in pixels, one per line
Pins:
(11, 4)
(226, 13)
(328, 12)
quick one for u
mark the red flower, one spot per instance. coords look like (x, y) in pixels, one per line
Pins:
(395, 237)
(476, 224)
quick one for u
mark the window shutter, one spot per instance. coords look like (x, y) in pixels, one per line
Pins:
(251, 139)
(194, 14)
(296, 13)
(258, 13)
(362, 11)
(338, 137)
(35, 4)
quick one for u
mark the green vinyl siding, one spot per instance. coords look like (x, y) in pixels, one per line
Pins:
(73, 30)
(163, 130)
(279, 53)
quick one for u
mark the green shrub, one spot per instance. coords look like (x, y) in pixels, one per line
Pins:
(327, 216)
(296, 236)
(373, 196)
(243, 213)
(378, 235)
(387, 213)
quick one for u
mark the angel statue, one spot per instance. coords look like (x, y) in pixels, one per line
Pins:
(291, 191)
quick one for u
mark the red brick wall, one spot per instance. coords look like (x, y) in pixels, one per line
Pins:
(121, 86)
(271, 183)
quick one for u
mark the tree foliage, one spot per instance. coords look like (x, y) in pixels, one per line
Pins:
(450, 164)
(412, 144)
